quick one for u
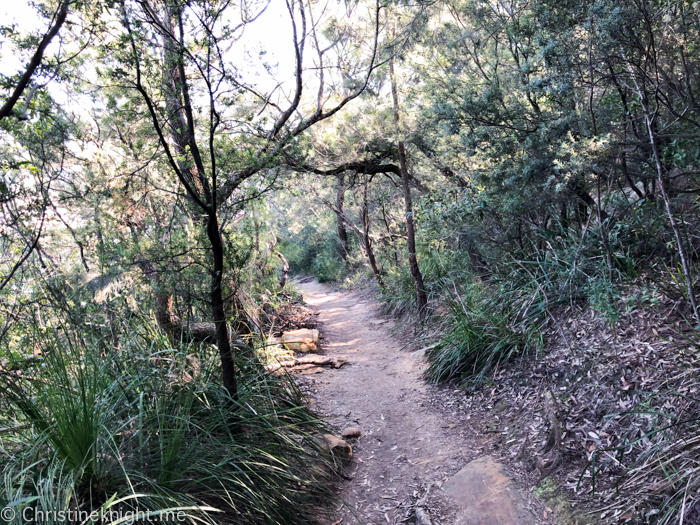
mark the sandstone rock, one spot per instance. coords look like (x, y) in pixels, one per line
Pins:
(338, 362)
(304, 340)
(307, 361)
(484, 495)
(315, 370)
(336, 447)
(298, 368)
(351, 432)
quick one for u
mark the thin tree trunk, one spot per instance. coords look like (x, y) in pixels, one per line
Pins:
(421, 296)
(390, 234)
(367, 239)
(671, 219)
(223, 339)
(649, 121)
(7, 107)
(284, 273)
(628, 177)
(342, 231)
(604, 233)
(256, 228)
(177, 101)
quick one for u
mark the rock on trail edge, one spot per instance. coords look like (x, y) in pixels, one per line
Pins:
(410, 465)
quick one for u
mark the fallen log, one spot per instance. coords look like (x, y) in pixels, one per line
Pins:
(318, 360)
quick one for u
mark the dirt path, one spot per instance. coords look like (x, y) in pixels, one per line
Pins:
(407, 448)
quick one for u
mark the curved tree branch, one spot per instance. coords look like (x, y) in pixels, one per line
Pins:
(60, 18)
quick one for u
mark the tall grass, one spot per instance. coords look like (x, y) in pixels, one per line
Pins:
(485, 326)
(150, 428)
(399, 295)
(500, 313)
(440, 267)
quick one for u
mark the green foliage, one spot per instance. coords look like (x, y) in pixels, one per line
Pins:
(327, 266)
(484, 328)
(439, 265)
(309, 242)
(603, 298)
(150, 428)
(66, 407)
(399, 296)
(310, 252)
(535, 187)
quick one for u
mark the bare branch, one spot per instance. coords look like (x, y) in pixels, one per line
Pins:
(299, 57)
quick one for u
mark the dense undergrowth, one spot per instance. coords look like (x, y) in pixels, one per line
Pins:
(150, 429)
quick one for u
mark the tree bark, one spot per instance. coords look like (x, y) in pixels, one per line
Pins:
(204, 190)
(284, 272)
(223, 339)
(685, 262)
(649, 118)
(589, 201)
(179, 109)
(421, 296)
(367, 239)
(342, 231)
(168, 321)
(604, 232)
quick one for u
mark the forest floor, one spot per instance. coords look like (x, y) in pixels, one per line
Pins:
(416, 462)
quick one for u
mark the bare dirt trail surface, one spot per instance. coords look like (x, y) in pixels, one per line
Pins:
(411, 463)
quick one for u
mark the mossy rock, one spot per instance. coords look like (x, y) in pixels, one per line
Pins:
(556, 499)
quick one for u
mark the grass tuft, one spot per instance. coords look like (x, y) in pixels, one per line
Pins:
(483, 328)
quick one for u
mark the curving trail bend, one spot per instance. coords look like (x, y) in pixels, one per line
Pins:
(410, 461)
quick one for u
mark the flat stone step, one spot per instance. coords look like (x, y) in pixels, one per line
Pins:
(483, 494)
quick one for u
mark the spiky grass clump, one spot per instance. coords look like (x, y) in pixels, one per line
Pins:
(484, 328)
(399, 295)
(150, 429)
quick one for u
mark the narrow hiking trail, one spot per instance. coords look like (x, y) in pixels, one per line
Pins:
(409, 463)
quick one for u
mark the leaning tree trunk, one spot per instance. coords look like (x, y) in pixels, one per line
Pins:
(342, 231)
(649, 119)
(421, 296)
(368, 240)
(223, 339)
(284, 272)
(685, 260)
